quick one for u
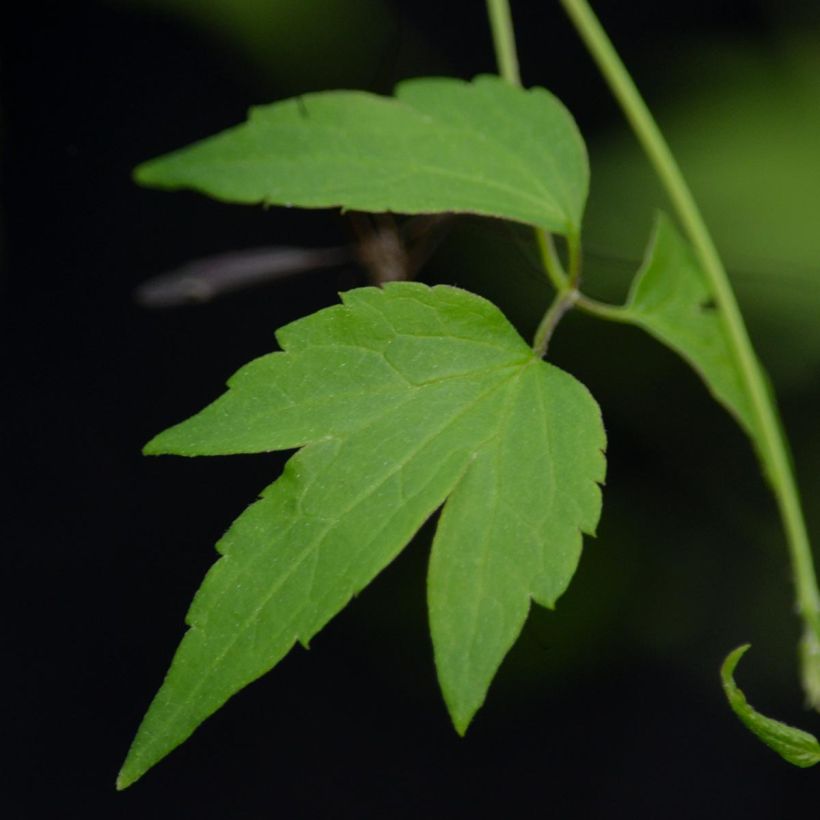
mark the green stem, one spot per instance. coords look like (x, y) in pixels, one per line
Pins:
(563, 302)
(603, 310)
(770, 439)
(504, 40)
(551, 261)
(501, 25)
(574, 261)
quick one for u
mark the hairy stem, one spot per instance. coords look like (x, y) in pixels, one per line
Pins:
(770, 440)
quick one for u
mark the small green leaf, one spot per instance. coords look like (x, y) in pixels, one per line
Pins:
(793, 745)
(399, 398)
(441, 144)
(671, 299)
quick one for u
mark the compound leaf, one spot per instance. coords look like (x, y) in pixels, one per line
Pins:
(793, 745)
(440, 144)
(671, 299)
(399, 399)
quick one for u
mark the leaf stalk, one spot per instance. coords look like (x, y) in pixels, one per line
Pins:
(563, 302)
(550, 260)
(603, 310)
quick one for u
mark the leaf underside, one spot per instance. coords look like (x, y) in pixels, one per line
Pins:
(793, 745)
(400, 399)
(440, 144)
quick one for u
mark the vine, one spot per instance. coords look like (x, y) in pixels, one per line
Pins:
(405, 399)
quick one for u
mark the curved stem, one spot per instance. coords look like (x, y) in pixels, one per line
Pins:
(504, 40)
(603, 310)
(563, 302)
(769, 437)
(551, 261)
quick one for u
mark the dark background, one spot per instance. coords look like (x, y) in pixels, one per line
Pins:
(610, 706)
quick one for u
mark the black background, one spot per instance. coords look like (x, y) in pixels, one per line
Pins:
(104, 548)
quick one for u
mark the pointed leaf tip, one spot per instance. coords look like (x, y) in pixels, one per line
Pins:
(794, 745)
(133, 768)
(123, 781)
(160, 445)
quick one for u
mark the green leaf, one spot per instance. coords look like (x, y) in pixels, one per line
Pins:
(441, 144)
(671, 299)
(511, 530)
(793, 745)
(399, 398)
